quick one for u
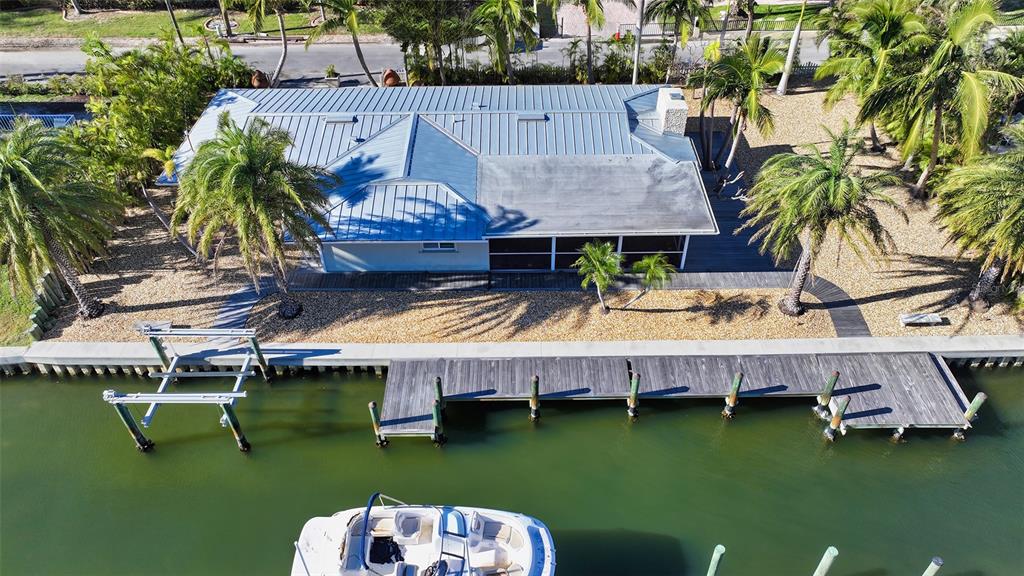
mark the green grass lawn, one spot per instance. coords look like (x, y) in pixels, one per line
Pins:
(14, 311)
(48, 23)
(788, 12)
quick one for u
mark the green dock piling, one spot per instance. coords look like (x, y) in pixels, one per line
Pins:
(159, 348)
(141, 442)
(382, 440)
(633, 403)
(970, 414)
(439, 437)
(837, 419)
(716, 557)
(236, 428)
(734, 395)
(933, 568)
(826, 561)
(826, 396)
(439, 393)
(535, 398)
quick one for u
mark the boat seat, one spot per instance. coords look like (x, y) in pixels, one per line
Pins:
(501, 532)
(412, 529)
(513, 570)
(382, 526)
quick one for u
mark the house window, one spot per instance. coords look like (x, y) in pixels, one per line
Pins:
(439, 246)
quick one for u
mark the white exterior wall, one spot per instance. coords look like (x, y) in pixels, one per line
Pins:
(403, 257)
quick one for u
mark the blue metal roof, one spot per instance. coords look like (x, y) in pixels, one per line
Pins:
(411, 154)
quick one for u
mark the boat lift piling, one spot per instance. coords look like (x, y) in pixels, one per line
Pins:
(933, 568)
(826, 396)
(716, 557)
(826, 561)
(535, 398)
(733, 398)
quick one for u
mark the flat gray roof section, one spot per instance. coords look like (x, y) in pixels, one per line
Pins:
(592, 195)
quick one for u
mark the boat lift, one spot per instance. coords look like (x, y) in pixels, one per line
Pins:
(171, 374)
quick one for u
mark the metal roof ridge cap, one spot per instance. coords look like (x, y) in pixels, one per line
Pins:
(410, 143)
(707, 199)
(335, 161)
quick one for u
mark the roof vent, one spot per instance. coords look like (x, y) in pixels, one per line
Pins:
(532, 117)
(477, 105)
(340, 119)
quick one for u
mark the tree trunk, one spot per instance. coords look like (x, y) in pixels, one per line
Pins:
(88, 305)
(675, 48)
(876, 145)
(738, 131)
(729, 136)
(750, 21)
(289, 307)
(600, 298)
(790, 304)
(77, 7)
(226, 18)
(725, 24)
(439, 57)
(642, 293)
(639, 40)
(174, 22)
(710, 142)
(790, 55)
(590, 56)
(362, 60)
(909, 164)
(922, 182)
(284, 50)
(980, 297)
(701, 127)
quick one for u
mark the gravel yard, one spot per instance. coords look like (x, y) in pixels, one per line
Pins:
(536, 316)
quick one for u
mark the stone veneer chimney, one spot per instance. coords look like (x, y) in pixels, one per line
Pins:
(672, 110)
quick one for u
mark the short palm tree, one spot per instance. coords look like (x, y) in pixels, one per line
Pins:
(949, 82)
(654, 271)
(812, 196)
(240, 186)
(878, 31)
(684, 15)
(50, 218)
(981, 207)
(501, 22)
(257, 11)
(340, 15)
(165, 157)
(599, 264)
(740, 78)
(593, 14)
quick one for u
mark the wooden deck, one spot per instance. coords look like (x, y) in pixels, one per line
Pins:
(913, 390)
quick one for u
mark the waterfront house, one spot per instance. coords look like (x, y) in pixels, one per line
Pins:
(488, 177)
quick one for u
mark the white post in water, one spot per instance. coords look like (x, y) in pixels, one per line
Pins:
(716, 557)
(826, 561)
(933, 568)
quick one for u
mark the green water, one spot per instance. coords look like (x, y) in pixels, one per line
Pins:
(649, 498)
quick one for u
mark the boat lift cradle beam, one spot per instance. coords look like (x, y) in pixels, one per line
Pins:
(225, 400)
(157, 333)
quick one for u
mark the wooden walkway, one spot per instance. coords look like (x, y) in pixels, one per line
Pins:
(912, 390)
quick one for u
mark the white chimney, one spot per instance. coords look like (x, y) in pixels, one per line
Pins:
(672, 110)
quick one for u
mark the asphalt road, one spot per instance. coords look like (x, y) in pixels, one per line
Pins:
(310, 64)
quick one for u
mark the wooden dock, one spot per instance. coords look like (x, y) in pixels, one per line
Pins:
(886, 390)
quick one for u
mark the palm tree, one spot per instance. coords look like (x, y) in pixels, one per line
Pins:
(599, 264)
(711, 54)
(748, 7)
(257, 10)
(593, 12)
(684, 15)
(174, 21)
(222, 5)
(50, 217)
(654, 271)
(241, 186)
(950, 81)
(343, 16)
(501, 21)
(794, 40)
(740, 78)
(878, 32)
(981, 207)
(815, 195)
(165, 157)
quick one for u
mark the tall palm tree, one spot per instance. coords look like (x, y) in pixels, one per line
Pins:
(343, 15)
(740, 77)
(814, 196)
(599, 264)
(501, 21)
(878, 32)
(949, 82)
(654, 271)
(711, 55)
(257, 11)
(593, 13)
(684, 15)
(50, 217)
(748, 7)
(240, 186)
(981, 207)
(174, 21)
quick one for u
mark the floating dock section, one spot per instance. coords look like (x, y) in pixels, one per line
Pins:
(898, 390)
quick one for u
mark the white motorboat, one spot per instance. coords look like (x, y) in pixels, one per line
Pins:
(397, 539)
